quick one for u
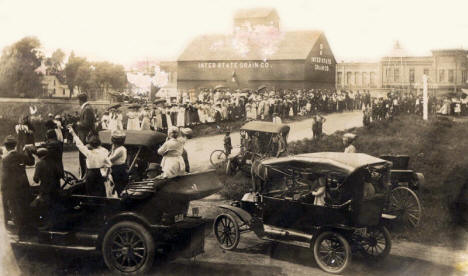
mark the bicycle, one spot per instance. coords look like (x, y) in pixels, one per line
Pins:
(219, 157)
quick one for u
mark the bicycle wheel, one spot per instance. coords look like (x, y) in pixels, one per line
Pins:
(218, 158)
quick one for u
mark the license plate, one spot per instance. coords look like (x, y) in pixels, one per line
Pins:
(179, 218)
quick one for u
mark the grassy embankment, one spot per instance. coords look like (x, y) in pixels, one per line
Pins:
(437, 148)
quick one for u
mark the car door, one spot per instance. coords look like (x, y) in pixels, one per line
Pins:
(90, 212)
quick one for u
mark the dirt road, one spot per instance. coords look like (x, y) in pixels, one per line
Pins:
(200, 148)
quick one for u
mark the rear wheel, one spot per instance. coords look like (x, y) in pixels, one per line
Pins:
(128, 248)
(404, 203)
(226, 231)
(332, 252)
(376, 243)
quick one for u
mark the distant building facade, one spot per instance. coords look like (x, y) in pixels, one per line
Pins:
(53, 88)
(447, 71)
(293, 59)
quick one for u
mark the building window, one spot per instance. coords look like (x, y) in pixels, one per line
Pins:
(54, 91)
(372, 79)
(388, 74)
(348, 78)
(411, 75)
(339, 77)
(54, 82)
(356, 78)
(365, 79)
(426, 72)
(450, 75)
(441, 75)
(464, 76)
(396, 75)
(63, 91)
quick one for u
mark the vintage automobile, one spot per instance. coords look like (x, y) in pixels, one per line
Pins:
(151, 215)
(260, 139)
(406, 183)
(281, 206)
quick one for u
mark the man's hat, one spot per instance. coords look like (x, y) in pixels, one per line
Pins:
(186, 131)
(83, 97)
(350, 136)
(10, 140)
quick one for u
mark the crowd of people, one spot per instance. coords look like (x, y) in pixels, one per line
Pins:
(97, 162)
(224, 105)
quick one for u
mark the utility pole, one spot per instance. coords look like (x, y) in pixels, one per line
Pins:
(425, 98)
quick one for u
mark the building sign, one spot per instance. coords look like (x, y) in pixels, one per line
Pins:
(234, 65)
(321, 63)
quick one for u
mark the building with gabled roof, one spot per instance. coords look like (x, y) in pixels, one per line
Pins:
(258, 55)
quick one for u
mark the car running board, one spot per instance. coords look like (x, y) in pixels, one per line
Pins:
(303, 239)
(14, 240)
(294, 243)
(44, 245)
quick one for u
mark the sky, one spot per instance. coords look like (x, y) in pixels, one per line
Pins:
(128, 31)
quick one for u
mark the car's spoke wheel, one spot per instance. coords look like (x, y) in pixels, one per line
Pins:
(226, 230)
(404, 203)
(218, 158)
(128, 248)
(376, 243)
(332, 252)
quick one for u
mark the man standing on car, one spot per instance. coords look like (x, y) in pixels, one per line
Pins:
(85, 126)
(15, 185)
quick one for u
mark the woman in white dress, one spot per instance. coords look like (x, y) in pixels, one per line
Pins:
(181, 116)
(133, 122)
(145, 122)
(172, 163)
(112, 119)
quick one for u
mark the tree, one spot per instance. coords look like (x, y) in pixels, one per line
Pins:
(18, 64)
(94, 77)
(55, 64)
(75, 74)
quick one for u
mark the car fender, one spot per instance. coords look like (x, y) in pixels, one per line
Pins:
(239, 212)
(419, 177)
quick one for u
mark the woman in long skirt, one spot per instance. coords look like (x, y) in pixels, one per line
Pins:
(172, 163)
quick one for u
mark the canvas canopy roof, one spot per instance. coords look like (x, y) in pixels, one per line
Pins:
(265, 127)
(334, 161)
(147, 138)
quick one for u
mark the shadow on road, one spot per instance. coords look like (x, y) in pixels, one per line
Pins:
(263, 258)
(392, 265)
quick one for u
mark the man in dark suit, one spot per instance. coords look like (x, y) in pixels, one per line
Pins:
(15, 185)
(85, 126)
